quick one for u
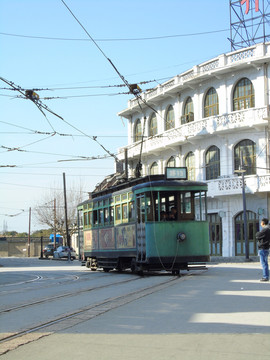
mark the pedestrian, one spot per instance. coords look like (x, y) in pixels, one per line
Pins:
(263, 239)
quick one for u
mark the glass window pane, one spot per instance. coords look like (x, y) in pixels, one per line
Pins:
(190, 164)
(153, 130)
(211, 105)
(138, 130)
(212, 163)
(243, 96)
(248, 150)
(170, 123)
(154, 169)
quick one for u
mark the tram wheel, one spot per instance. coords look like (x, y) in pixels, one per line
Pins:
(176, 272)
(133, 266)
(106, 269)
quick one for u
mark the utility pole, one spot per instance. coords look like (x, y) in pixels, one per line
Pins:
(242, 172)
(54, 215)
(29, 229)
(65, 199)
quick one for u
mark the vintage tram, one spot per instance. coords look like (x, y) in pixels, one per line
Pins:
(156, 222)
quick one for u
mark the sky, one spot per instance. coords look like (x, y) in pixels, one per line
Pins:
(43, 47)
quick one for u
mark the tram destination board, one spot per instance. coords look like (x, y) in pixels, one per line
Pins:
(176, 173)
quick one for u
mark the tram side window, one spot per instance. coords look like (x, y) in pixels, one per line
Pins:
(125, 212)
(152, 206)
(111, 214)
(95, 217)
(100, 217)
(117, 213)
(131, 211)
(85, 219)
(106, 216)
(90, 218)
(200, 206)
(187, 206)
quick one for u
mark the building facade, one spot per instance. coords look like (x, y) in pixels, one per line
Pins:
(213, 119)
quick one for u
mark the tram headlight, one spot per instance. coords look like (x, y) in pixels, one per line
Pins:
(181, 237)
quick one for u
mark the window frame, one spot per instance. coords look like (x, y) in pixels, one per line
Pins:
(170, 118)
(211, 103)
(244, 147)
(212, 166)
(243, 95)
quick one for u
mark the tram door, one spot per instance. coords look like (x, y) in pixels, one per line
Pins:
(141, 212)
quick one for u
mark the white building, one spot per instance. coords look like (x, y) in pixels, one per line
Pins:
(204, 119)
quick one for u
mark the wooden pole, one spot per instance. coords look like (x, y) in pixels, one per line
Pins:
(29, 229)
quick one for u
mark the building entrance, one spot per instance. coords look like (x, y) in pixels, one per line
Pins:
(215, 234)
(252, 228)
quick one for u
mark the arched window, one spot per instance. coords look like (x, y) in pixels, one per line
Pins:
(190, 164)
(154, 169)
(212, 163)
(153, 129)
(243, 95)
(188, 112)
(211, 106)
(171, 162)
(138, 130)
(170, 123)
(248, 150)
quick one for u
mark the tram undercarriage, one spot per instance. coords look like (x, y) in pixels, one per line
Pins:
(169, 264)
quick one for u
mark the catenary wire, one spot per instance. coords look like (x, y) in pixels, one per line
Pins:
(117, 39)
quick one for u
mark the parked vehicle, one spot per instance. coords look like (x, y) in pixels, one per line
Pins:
(64, 252)
(48, 250)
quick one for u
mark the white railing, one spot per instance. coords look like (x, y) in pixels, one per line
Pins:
(233, 185)
(209, 66)
(203, 127)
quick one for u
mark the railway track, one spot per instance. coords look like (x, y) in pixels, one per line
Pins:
(12, 341)
(69, 294)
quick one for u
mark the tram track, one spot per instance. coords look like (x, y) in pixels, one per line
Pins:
(48, 283)
(69, 294)
(65, 321)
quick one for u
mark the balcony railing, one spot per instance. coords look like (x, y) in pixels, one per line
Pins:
(243, 55)
(233, 185)
(196, 129)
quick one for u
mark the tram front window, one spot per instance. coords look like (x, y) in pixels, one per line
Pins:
(173, 206)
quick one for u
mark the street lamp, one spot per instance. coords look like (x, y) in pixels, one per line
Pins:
(242, 172)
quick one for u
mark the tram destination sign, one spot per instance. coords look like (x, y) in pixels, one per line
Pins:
(177, 173)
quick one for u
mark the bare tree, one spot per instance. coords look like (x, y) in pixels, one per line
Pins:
(51, 209)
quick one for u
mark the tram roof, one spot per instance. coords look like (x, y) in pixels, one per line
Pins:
(146, 182)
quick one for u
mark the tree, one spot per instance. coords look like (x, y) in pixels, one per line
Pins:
(51, 210)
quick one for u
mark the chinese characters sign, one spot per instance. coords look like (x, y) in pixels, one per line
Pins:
(248, 5)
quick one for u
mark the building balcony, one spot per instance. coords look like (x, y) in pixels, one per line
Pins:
(255, 55)
(232, 185)
(255, 118)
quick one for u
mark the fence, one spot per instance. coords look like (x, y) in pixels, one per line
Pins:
(18, 247)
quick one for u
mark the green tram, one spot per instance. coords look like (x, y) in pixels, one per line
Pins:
(149, 223)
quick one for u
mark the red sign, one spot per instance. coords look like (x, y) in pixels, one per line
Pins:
(247, 5)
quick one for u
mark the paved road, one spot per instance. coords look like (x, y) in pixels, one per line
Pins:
(223, 313)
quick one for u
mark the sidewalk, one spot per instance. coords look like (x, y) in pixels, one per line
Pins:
(221, 313)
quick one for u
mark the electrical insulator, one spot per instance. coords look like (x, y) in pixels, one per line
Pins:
(30, 94)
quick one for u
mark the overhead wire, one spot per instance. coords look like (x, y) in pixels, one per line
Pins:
(117, 39)
(42, 107)
(129, 86)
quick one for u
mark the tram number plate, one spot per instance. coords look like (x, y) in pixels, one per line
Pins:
(179, 173)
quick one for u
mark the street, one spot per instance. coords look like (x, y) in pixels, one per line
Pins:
(62, 309)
